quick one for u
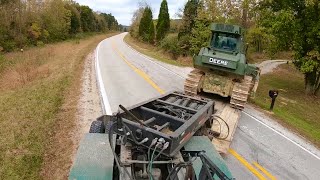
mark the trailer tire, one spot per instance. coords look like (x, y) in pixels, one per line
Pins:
(108, 126)
(97, 127)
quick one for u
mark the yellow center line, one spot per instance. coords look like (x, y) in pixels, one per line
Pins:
(233, 152)
(138, 71)
(247, 165)
(264, 171)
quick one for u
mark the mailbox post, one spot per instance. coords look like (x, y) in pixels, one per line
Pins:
(273, 95)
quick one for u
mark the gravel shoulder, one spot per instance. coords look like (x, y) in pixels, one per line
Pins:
(89, 107)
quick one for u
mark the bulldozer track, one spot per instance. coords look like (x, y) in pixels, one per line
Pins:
(241, 92)
(191, 85)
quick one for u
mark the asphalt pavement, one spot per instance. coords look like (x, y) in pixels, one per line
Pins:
(262, 149)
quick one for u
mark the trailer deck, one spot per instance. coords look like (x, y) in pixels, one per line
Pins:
(174, 117)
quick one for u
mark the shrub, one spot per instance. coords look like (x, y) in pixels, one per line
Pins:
(2, 63)
(40, 44)
(170, 44)
(8, 45)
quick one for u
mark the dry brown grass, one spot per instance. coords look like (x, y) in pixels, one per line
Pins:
(157, 53)
(38, 99)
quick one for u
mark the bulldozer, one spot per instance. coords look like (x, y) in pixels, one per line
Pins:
(221, 67)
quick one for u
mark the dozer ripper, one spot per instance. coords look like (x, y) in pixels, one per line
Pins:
(221, 68)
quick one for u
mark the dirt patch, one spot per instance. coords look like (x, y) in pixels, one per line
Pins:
(269, 66)
(83, 105)
(89, 107)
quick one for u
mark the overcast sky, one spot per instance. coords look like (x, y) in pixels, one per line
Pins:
(123, 9)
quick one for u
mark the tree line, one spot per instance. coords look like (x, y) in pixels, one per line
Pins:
(271, 27)
(33, 22)
(143, 25)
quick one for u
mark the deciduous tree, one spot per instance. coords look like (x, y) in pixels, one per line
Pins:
(305, 28)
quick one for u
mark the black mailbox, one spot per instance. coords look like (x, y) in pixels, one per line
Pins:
(273, 95)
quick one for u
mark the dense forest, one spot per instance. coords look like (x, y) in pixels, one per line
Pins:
(271, 27)
(33, 22)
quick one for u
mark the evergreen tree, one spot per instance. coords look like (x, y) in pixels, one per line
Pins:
(199, 35)
(188, 18)
(144, 27)
(163, 25)
(152, 32)
(187, 24)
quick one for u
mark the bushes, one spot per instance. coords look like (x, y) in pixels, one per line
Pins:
(8, 45)
(2, 63)
(48, 21)
(171, 44)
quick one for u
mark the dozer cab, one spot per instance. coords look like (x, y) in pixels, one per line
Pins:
(222, 68)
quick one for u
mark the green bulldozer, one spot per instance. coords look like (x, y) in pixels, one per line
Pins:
(221, 68)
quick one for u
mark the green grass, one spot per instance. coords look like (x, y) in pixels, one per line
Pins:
(156, 53)
(293, 107)
(28, 115)
(34, 87)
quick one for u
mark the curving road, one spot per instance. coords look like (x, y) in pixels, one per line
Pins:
(261, 149)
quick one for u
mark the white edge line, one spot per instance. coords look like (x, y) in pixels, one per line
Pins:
(276, 131)
(150, 59)
(106, 109)
(279, 61)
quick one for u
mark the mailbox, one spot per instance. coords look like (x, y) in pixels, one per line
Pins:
(273, 95)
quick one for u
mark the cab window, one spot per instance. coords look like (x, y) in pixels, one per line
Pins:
(224, 41)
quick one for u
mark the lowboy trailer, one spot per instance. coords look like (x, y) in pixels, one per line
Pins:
(158, 139)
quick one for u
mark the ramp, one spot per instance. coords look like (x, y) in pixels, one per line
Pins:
(230, 116)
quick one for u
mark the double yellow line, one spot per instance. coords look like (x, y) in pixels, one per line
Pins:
(233, 152)
(251, 168)
(138, 71)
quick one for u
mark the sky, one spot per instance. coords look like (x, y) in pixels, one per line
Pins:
(123, 9)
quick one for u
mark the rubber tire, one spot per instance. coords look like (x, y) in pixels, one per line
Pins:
(108, 126)
(97, 127)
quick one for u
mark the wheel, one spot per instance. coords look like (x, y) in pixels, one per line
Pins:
(108, 126)
(97, 127)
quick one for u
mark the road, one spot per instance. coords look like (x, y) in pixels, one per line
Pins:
(261, 149)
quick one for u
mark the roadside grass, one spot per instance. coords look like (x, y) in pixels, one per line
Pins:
(33, 91)
(293, 108)
(156, 53)
(256, 58)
